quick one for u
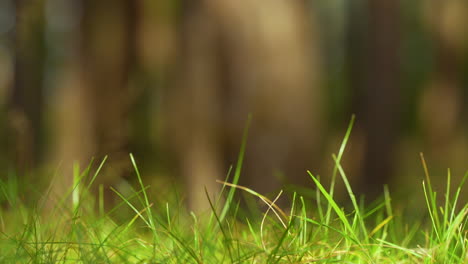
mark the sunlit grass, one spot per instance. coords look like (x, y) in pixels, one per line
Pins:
(78, 230)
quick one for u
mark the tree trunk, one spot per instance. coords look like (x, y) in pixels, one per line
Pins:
(25, 103)
(241, 57)
(377, 95)
(108, 52)
(96, 98)
(442, 102)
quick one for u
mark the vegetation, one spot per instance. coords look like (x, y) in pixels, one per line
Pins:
(164, 232)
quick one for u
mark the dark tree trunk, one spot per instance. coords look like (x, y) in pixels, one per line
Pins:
(377, 97)
(25, 104)
(108, 51)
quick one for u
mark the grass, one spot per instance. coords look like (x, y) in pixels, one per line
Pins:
(159, 231)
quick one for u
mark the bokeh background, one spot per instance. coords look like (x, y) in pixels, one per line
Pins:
(173, 82)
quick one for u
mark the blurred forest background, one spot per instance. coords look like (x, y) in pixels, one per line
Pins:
(173, 82)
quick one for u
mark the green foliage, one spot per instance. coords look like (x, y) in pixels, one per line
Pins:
(77, 230)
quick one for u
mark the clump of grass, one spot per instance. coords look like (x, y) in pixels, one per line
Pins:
(164, 232)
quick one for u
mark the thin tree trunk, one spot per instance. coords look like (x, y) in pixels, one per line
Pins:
(378, 102)
(25, 104)
(94, 121)
(108, 47)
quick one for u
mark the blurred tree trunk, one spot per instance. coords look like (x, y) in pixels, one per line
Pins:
(377, 97)
(442, 101)
(108, 53)
(241, 57)
(25, 103)
(97, 99)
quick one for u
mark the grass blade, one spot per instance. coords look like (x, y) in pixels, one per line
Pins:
(237, 171)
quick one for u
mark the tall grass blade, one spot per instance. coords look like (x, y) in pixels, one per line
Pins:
(238, 170)
(335, 206)
(352, 197)
(431, 197)
(335, 169)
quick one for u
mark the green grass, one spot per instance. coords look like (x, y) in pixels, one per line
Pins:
(78, 230)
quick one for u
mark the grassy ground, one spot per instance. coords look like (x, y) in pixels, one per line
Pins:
(74, 231)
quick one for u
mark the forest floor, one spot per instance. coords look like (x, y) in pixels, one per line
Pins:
(312, 230)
